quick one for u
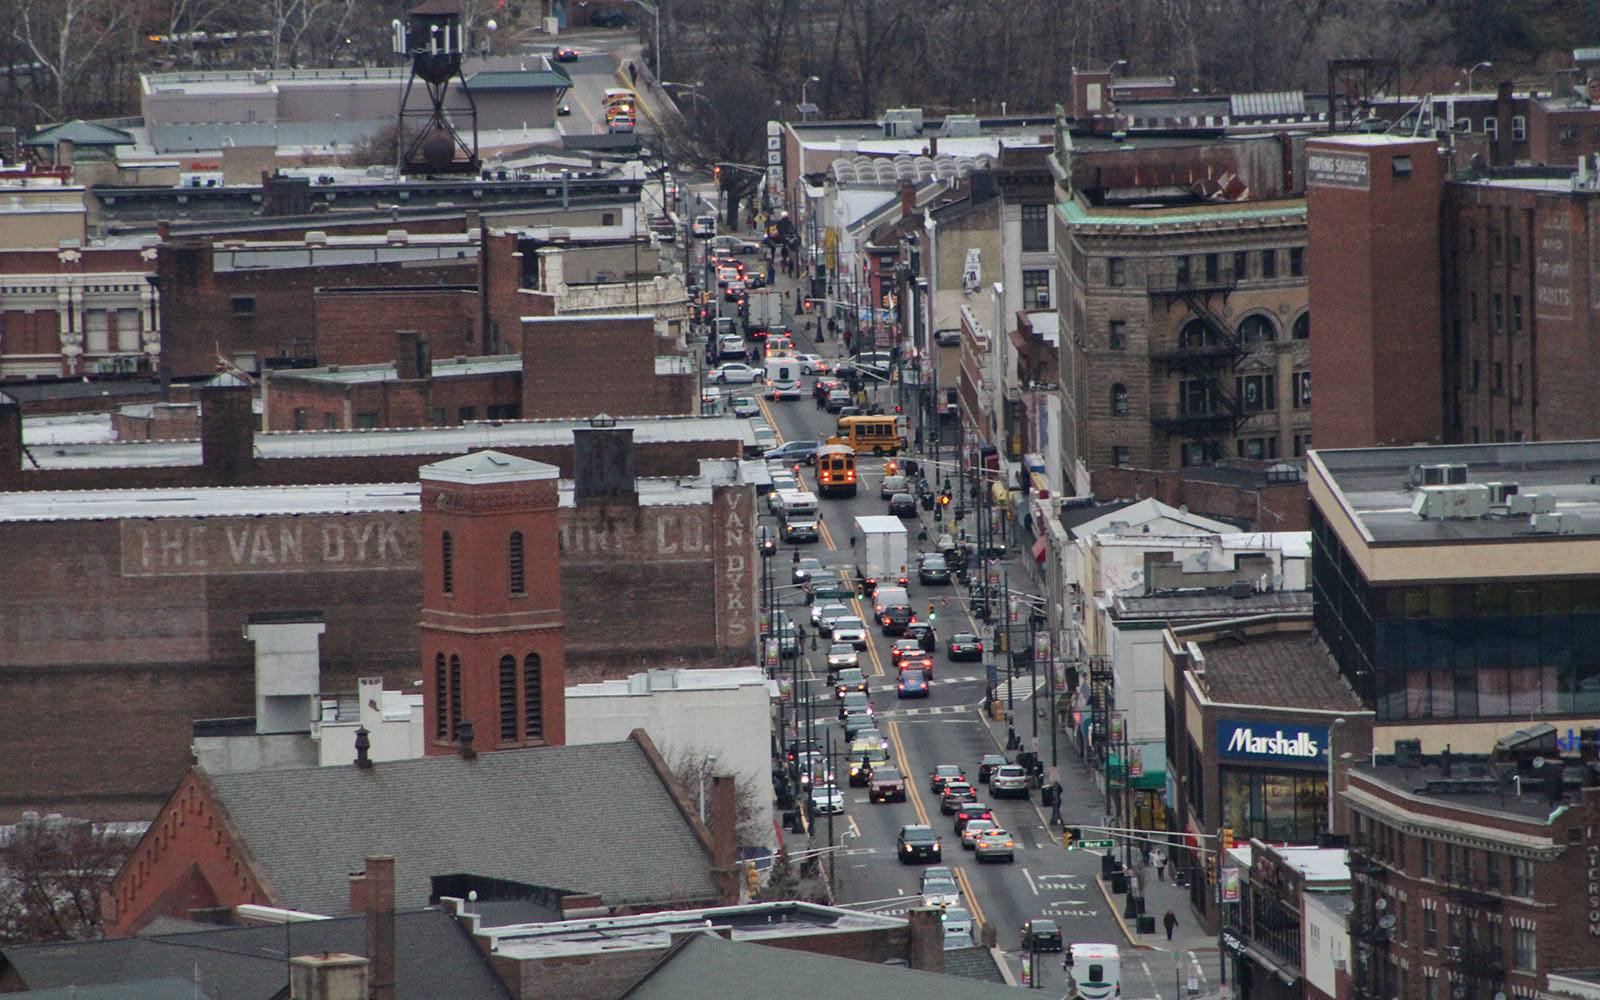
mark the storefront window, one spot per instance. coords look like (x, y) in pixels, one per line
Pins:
(1281, 807)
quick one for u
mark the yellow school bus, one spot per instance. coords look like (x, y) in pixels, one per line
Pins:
(877, 434)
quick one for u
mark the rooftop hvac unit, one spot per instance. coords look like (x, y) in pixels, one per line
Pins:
(1443, 474)
(1451, 503)
(962, 127)
(1500, 493)
(902, 123)
(1554, 524)
(1530, 503)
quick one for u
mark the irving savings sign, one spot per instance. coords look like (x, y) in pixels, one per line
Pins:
(1264, 741)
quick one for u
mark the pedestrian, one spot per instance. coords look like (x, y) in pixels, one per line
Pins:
(1158, 857)
(633, 73)
(1170, 922)
(817, 395)
(1055, 804)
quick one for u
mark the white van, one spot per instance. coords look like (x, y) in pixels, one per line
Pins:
(730, 347)
(783, 378)
(1096, 971)
(797, 503)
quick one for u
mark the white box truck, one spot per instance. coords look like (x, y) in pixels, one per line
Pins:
(783, 378)
(879, 547)
(766, 311)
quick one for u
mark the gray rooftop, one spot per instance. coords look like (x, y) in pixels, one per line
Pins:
(1276, 671)
(591, 819)
(1373, 484)
(494, 364)
(707, 966)
(1208, 604)
(1471, 784)
(435, 959)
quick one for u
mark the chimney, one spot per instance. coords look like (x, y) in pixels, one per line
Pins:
(64, 153)
(464, 736)
(363, 744)
(380, 925)
(725, 838)
(328, 976)
(227, 430)
(908, 198)
(411, 356)
(933, 146)
(927, 939)
(603, 468)
(1444, 762)
(10, 443)
(163, 230)
(358, 892)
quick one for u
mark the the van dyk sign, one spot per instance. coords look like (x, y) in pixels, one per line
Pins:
(1271, 741)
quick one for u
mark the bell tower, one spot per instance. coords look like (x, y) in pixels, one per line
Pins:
(493, 635)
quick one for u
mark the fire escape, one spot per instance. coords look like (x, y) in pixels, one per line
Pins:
(1371, 926)
(1207, 350)
(1479, 966)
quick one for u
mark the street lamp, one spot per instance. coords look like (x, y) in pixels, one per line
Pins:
(806, 107)
(1483, 65)
(711, 759)
(1110, 70)
(1332, 727)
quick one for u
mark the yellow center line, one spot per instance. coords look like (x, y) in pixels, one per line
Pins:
(914, 796)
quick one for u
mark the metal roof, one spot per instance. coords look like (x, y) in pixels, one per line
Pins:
(81, 133)
(1272, 104)
(519, 80)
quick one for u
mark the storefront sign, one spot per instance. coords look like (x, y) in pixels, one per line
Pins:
(1330, 168)
(1271, 741)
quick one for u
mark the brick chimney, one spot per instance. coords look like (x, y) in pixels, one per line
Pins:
(926, 947)
(227, 430)
(603, 467)
(10, 443)
(908, 198)
(725, 837)
(328, 976)
(380, 925)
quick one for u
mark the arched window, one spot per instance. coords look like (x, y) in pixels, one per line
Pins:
(518, 577)
(1197, 333)
(455, 695)
(1257, 329)
(508, 699)
(1119, 399)
(447, 557)
(533, 695)
(441, 699)
(1302, 326)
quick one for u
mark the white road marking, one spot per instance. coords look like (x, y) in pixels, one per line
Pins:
(1029, 877)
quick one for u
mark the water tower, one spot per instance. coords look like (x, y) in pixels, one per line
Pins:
(429, 142)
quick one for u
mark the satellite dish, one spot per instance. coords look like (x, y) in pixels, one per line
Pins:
(1538, 762)
(1388, 922)
(1380, 904)
(1500, 995)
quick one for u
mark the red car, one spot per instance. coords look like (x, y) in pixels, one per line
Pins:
(886, 785)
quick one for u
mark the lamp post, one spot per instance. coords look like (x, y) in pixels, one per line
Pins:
(1332, 728)
(1110, 70)
(808, 81)
(1482, 65)
(711, 759)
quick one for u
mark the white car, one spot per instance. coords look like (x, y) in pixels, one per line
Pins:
(824, 615)
(811, 364)
(850, 630)
(1009, 779)
(957, 927)
(734, 373)
(940, 892)
(828, 799)
(705, 226)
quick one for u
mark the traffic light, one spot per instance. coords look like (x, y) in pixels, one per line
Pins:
(944, 498)
(716, 173)
(898, 408)
(752, 878)
(1227, 838)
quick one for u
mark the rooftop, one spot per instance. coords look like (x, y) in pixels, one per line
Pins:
(1288, 211)
(1209, 604)
(1373, 487)
(1476, 785)
(444, 368)
(753, 922)
(677, 679)
(1315, 864)
(1274, 671)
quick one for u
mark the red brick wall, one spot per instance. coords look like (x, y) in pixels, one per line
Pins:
(358, 327)
(578, 366)
(398, 404)
(1265, 508)
(1375, 309)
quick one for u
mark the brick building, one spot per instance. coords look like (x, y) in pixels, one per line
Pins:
(1290, 899)
(1457, 587)
(414, 391)
(1474, 876)
(1254, 708)
(73, 310)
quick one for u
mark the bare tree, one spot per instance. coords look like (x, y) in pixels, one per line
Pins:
(51, 873)
(693, 769)
(70, 42)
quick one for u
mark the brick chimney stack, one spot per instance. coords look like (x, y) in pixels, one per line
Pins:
(725, 837)
(380, 926)
(927, 939)
(10, 443)
(227, 429)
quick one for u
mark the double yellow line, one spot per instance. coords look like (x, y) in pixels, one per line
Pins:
(914, 796)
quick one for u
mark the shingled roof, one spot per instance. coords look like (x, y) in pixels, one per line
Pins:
(593, 819)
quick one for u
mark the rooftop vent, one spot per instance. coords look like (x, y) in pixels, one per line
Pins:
(902, 123)
(1554, 524)
(962, 126)
(1530, 503)
(1443, 474)
(316, 237)
(1451, 503)
(1500, 493)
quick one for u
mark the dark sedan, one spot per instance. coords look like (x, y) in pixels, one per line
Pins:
(965, 646)
(918, 843)
(932, 569)
(903, 505)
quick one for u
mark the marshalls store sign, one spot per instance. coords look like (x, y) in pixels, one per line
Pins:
(1271, 741)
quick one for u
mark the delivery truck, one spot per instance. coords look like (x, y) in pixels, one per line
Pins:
(879, 547)
(766, 311)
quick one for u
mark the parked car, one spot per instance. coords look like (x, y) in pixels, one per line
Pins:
(734, 373)
(1041, 935)
(995, 845)
(918, 844)
(1009, 780)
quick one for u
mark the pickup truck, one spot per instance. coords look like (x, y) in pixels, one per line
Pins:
(886, 785)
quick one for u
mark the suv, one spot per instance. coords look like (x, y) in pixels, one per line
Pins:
(970, 811)
(918, 844)
(895, 619)
(1009, 779)
(886, 785)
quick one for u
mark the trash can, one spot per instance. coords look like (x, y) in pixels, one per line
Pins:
(1147, 925)
(1119, 881)
(1108, 865)
(998, 710)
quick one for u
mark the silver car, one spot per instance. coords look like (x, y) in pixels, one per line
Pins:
(850, 630)
(827, 799)
(957, 927)
(824, 615)
(1009, 779)
(940, 892)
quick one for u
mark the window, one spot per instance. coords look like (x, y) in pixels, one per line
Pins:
(1257, 448)
(1213, 268)
(508, 699)
(533, 696)
(1197, 333)
(1433, 987)
(1516, 388)
(1119, 399)
(1257, 329)
(1516, 315)
(1302, 327)
(243, 305)
(1036, 289)
(455, 696)
(1497, 313)
(514, 554)
(366, 419)
(1430, 929)
(1302, 391)
(1121, 455)
(1257, 392)
(299, 418)
(1523, 954)
(1182, 273)
(1400, 166)
(1035, 228)
(1241, 265)
(1568, 133)
(1491, 875)
(1515, 244)
(436, 416)
(1302, 444)
(1117, 335)
(1519, 128)
(1195, 398)
(505, 411)
(330, 421)
(1521, 877)
(1476, 370)
(1269, 263)
(1491, 128)
(441, 699)
(1297, 261)
(447, 560)
(1499, 378)
(1116, 272)
(467, 413)
(1427, 859)
(608, 218)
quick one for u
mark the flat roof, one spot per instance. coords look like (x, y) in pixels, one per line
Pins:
(1274, 671)
(445, 368)
(1472, 785)
(396, 441)
(1285, 210)
(754, 922)
(1208, 604)
(1373, 485)
(1315, 864)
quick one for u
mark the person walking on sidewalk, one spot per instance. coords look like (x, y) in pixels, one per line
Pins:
(1170, 922)
(1055, 804)
(1158, 857)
